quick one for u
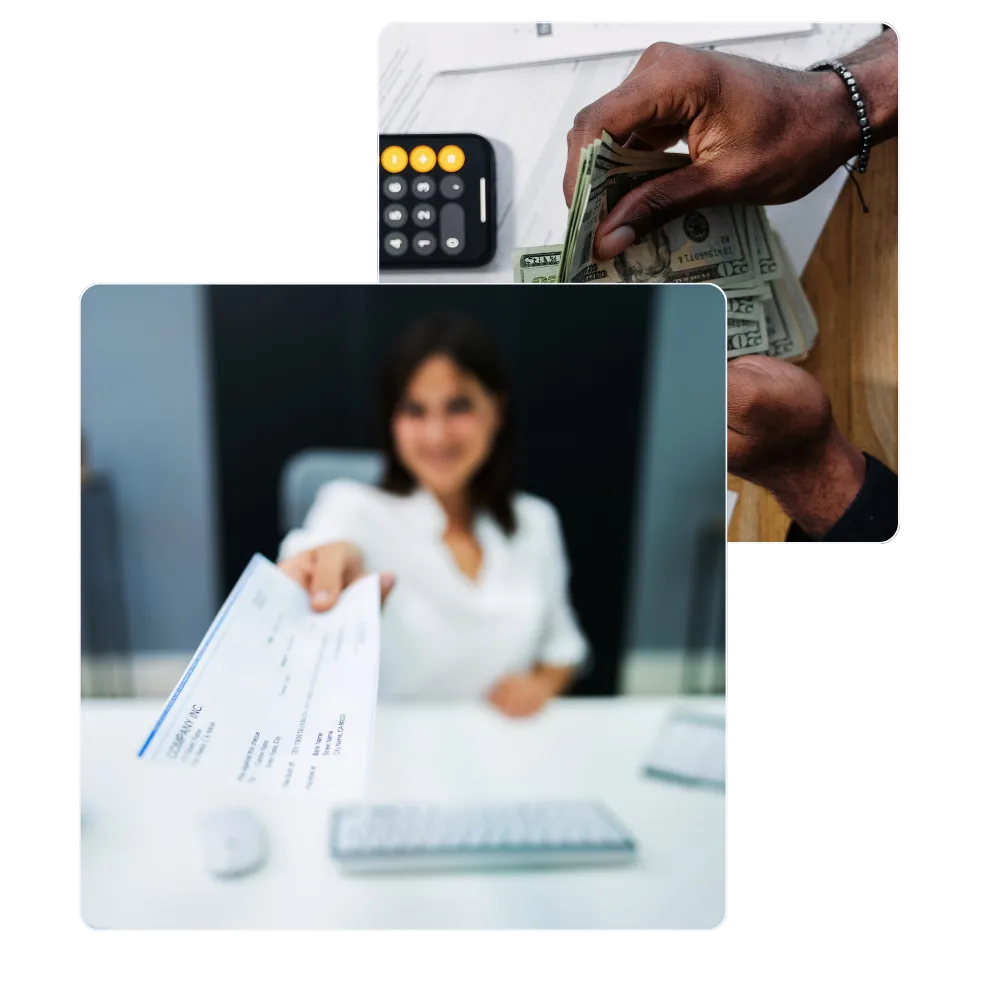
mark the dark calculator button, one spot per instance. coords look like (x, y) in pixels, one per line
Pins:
(395, 216)
(452, 187)
(424, 244)
(423, 187)
(395, 244)
(424, 215)
(394, 187)
(452, 228)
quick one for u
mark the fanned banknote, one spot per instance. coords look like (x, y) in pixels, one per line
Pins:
(731, 246)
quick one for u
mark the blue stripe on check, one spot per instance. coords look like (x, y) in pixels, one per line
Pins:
(209, 636)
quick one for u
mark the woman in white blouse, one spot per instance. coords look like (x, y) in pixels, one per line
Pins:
(478, 573)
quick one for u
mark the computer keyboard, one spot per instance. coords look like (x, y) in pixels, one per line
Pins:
(435, 837)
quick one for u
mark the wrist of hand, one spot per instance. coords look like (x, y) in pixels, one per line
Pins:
(554, 679)
(874, 68)
(834, 116)
(817, 492)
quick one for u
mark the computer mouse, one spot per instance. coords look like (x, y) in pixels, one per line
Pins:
(233, 842)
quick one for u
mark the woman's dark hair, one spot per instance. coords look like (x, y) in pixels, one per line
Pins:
(468, 345)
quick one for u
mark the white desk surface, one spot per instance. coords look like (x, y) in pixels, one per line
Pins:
(141, 867)
(526, 111)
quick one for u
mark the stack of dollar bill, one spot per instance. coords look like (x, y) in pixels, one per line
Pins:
(732, 246)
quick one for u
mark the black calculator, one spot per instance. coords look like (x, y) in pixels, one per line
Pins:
(437, 201)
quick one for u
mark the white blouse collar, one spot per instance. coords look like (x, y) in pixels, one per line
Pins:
(429, 516)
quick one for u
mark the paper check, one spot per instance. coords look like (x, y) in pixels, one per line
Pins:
(277, 695)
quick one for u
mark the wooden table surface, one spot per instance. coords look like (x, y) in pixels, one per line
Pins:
(851, 282)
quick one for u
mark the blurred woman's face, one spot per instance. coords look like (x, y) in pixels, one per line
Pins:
(444, 426)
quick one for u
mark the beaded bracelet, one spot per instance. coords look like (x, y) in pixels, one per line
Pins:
(859, 106)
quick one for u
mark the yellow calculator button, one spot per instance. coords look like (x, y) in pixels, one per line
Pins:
(422, 159)
(451, 158)
(393, 159)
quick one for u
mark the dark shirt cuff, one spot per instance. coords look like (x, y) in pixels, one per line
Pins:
(873, 515)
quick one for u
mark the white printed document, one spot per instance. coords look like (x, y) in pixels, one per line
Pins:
(278, 696)
(467, 46)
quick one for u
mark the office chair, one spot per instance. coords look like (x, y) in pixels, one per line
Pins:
(306, 471)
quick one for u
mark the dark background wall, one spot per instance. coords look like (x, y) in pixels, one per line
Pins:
(296, 367)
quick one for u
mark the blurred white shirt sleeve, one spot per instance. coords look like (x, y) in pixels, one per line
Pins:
(333, 517)
(563, 644)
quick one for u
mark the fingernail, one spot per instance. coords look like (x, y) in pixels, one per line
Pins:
(321, 597)
(615, 242)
